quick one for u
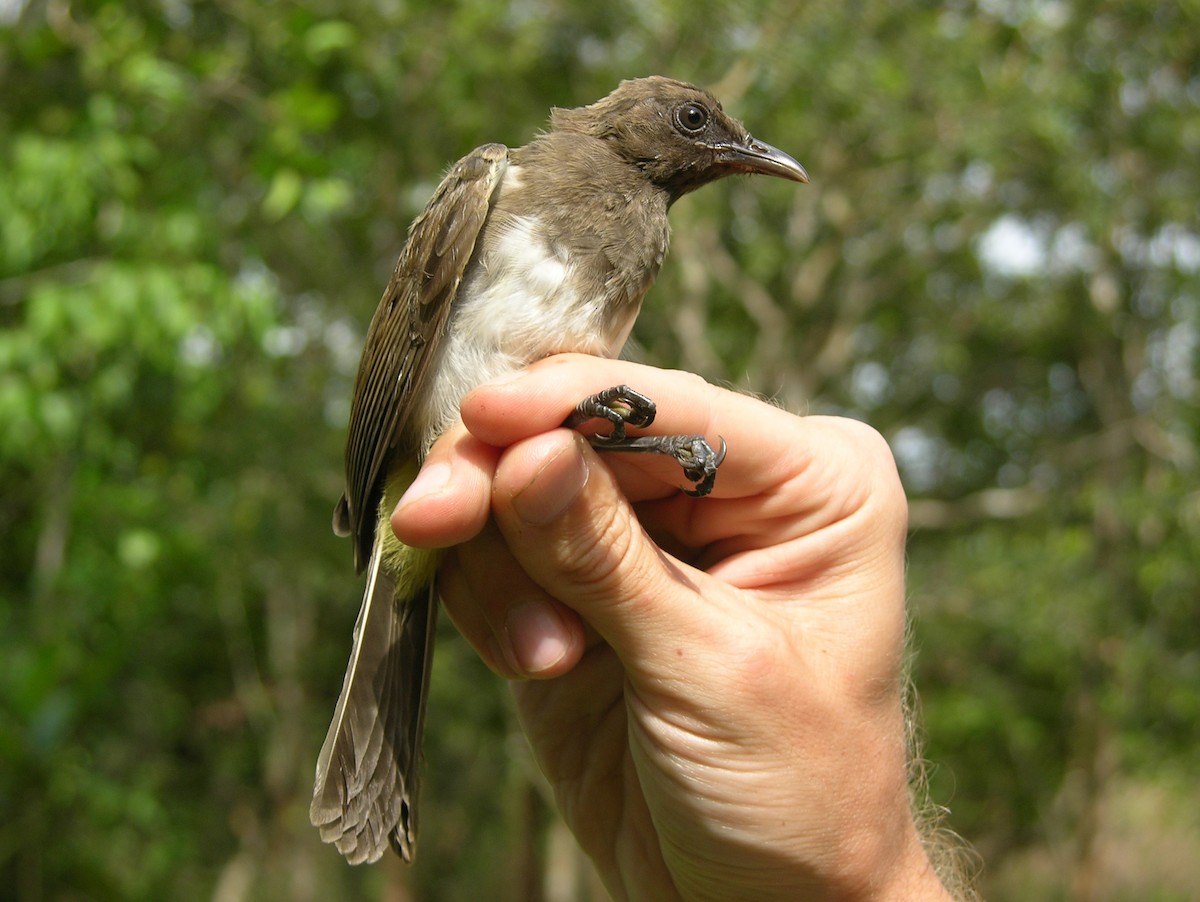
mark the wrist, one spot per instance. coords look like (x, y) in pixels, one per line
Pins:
(909, 876)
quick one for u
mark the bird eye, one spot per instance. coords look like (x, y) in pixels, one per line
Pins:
(691, 117)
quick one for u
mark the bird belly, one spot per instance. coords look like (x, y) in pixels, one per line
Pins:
(518, 302)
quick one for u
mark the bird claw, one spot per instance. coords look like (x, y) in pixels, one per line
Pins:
(700, 463)
(622, 406)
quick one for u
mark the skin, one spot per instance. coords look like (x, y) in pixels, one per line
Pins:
(712, 686)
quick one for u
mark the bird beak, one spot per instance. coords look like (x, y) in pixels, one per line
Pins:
(758, 157)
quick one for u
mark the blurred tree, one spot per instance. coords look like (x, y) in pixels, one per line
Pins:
(996, 264)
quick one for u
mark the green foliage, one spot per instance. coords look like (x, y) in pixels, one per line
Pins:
(995, 264)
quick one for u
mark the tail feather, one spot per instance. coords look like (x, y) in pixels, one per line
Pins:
(365, 793)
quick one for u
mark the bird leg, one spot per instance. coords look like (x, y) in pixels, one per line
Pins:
(622, 406)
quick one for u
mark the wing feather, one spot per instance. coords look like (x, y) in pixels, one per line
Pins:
(405, 332)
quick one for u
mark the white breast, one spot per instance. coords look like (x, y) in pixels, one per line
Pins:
(518, 303)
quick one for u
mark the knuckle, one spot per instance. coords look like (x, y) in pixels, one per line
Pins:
(594, 554)
(886, 498)
(881, 493)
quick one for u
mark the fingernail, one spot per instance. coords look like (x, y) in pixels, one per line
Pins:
(553, 487)
(537, 637)
(432, 479)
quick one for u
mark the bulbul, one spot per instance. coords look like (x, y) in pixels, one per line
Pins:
(519, 255)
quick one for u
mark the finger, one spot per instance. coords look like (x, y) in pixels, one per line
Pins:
(450, 499)
(549, 390)
(540, 397)
(515, 626)
(572, 530)
(784, 477)
(837, 473)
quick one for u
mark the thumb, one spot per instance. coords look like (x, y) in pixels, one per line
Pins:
(567, 523)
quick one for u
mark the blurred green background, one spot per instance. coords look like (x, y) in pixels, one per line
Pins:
(997, 264)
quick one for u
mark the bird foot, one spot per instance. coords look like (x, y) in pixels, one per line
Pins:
(622, 406)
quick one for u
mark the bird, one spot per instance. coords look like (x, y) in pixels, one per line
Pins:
(520, 254)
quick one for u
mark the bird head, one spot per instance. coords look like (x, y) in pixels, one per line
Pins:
(677, 134)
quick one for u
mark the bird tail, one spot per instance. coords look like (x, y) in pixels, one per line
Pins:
(365, 793)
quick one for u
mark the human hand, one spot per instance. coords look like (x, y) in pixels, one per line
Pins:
(713, 686)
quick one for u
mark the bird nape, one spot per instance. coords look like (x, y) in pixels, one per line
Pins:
(520, 254)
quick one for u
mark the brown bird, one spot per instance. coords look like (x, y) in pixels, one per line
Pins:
(519, 255)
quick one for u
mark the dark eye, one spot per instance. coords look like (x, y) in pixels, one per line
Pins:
(691, 117)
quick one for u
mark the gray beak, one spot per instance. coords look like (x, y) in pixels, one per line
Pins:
(762, 159)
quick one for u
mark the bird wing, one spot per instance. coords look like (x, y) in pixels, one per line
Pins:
(405, 332)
